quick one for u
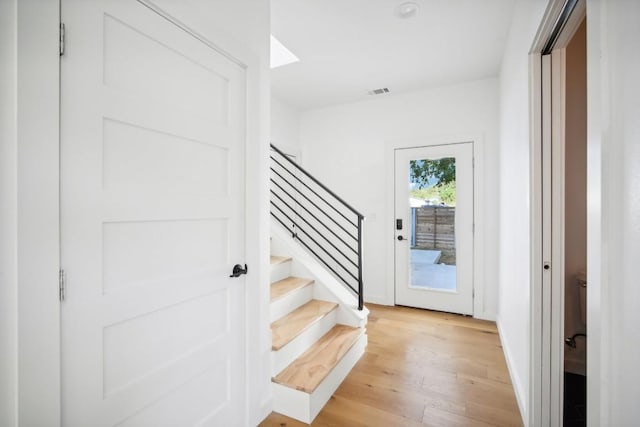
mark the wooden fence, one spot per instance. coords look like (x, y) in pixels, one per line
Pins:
(434, 229)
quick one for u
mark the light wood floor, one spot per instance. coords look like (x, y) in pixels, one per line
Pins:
(422, 368)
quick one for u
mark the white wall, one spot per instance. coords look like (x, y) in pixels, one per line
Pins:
(8, 215)
(514, 192)
(613, 194)
(349, 148)
(285, 126)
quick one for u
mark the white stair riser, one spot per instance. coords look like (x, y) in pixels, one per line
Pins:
(304, 265)
(285, 305)
(292, 403)
(282, 358)
(305, 407)
(345, 312)
(280, 271)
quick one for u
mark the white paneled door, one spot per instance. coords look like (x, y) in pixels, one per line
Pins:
(152, 222)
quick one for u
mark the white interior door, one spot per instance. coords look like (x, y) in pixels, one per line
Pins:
(152, 220)
(434, 228)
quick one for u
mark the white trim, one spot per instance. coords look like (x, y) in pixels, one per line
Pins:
(598, 219)
(557, 235)
(546, 80)
(258, 332)
(38, 213)
(479, 304)
(535, 362)
(153, 7)
(554, 7)
(516, 381)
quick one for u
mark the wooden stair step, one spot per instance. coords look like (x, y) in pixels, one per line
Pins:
(275, 259)
(308, 371)
(293, 324)
(285, 286)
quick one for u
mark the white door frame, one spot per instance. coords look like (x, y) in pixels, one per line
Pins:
(480, 309)
(38, 231)
(461, 300)
(547, 85)
(38, 307)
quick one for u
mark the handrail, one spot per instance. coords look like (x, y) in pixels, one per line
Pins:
(306, 209)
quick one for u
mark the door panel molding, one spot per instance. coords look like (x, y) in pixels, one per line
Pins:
(153, 218)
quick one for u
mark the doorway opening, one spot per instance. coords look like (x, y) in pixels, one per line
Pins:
(559, 206)
(434, 227)
(575, 231)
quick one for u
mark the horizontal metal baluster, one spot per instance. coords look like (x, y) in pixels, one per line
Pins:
(317, 232)
(355, 238)
(298, 227)
(310, 189)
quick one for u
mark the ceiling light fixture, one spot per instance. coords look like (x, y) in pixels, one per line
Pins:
(407, 10)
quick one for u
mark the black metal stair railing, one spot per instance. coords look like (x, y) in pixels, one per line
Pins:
(327, 226)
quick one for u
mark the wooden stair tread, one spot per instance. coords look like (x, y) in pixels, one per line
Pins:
(285, 286)
(308, 371)
(293, 324)
(276, 259)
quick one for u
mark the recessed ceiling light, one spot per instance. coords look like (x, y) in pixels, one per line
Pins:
(407, 9)
(280, 55)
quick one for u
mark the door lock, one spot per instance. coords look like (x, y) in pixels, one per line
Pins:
(238, 270)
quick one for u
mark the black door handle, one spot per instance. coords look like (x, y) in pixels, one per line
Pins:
(238, 270)
(400, 238)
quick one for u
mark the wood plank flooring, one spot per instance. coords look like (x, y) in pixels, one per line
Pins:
(422, 368)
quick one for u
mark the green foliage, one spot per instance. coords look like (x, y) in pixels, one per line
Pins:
(439, 178)
(440, 171)
(446, 193)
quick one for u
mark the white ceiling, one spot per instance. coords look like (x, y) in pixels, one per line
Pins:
(348, 47)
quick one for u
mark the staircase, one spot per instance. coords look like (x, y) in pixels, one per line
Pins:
(316, 339)
(317, 312)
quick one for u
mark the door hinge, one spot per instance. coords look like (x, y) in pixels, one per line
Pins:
(61, 284)
(62, 38)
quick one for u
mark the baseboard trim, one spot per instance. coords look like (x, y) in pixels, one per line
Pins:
(515, 379)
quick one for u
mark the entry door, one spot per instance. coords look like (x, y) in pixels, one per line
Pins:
(434, 227)
(152, 220)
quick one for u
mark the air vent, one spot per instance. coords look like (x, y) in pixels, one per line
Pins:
(380, 91)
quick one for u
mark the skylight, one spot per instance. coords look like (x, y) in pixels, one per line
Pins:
(280, 55)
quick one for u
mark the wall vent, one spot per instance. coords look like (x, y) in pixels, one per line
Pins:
(380, 91)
